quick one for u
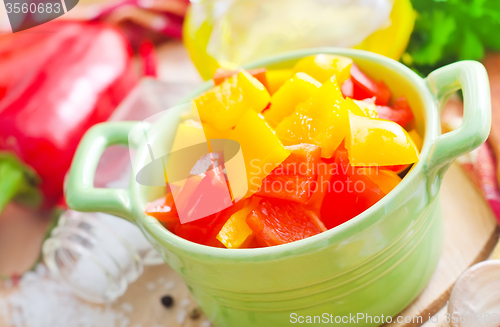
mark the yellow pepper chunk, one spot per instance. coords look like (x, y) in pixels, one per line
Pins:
(417, 139)
(223, 105)
(296, 90)
(353, 108)
(323, 66)
(369, 109)
(378, 142)
(276, 78)
(322, 120)
(399, 31)
(213, 133)
(262, 150)
(236, 233)
(189, 133)
(385, 179)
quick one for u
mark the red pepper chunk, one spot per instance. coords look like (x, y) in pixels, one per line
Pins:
(349, 193)
(400, 113)
(294, 178)
(276, 222)
(204, 231)
(364, 88)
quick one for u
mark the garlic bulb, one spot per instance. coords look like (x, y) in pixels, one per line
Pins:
(475, 299)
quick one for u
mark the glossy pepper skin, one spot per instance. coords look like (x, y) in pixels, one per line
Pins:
(349, 193)
(53, 87)
(322, 120)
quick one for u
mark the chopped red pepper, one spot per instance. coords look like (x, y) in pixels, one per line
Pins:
(350, 193)
(210, 196)
(204, 231)
(293, 179)
(364, 88)
(395, 168)
(400, 112)
(54, 87)
(276, 222)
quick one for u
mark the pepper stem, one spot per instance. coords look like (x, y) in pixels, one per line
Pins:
(17, 181)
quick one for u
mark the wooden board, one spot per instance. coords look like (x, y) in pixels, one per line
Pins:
(470, 235)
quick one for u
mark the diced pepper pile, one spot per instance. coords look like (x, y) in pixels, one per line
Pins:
(322, 142)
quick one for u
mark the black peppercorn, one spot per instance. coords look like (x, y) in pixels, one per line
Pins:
(167, 301)
(194, 314)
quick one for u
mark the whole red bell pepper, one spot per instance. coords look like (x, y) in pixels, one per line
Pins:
(57, 80)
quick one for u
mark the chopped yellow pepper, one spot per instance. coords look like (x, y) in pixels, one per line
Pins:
(223, 105)
(236, 233)
(276, 78)
(378, 142)
(189, 132)
(323, 66)
(262, 151)
(354, 108)
(417, 139)
(370, 109)
(322, 120)
(296, 90)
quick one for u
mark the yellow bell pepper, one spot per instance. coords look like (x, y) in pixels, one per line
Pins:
(323, 66)
(236, 233)
(223, 105)
(378, 142)
(385, 179)
(322, 120)
(353, 108)
(296, 90)
(398, 32)
(417, 139)
(370, 109)
(276, 78)
(189, 133)
(262, 151)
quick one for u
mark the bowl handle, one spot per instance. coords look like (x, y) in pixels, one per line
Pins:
(471, 77)
(81, 195)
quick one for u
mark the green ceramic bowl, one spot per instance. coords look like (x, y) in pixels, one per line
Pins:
(373, 265)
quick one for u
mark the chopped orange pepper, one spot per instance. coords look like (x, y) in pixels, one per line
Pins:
(378, 142)
(322, 120)
(385, 179)
(223, 105)
(323, 66)
(296, 90)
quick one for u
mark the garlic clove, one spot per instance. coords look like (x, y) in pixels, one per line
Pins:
(475, 299)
